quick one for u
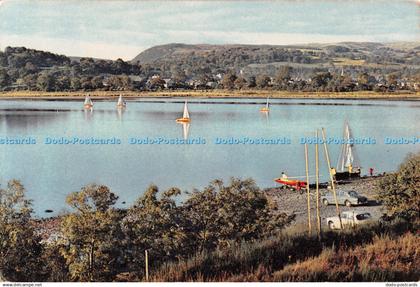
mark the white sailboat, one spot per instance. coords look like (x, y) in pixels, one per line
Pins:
(185, 116)
(121, 103)
(266, 109)
(88, 104)
(348, 165)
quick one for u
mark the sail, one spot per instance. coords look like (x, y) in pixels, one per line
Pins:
(347, 156)
(120, 101)
(186, 115)
(267, 104)
(88, 101)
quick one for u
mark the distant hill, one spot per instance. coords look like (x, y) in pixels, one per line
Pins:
(77, 59)
(344, 66)
(172, 50)
(158, 52)
(267, 59)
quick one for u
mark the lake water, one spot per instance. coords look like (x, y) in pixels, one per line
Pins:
(51, 171)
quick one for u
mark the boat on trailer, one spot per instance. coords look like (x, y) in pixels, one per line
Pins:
(348, 166)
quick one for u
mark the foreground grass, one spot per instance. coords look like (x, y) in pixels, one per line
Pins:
(385, 259)
(293, 257)
(213, 94)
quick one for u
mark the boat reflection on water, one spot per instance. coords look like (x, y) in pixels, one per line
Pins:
(120, 113)
(88, 113)
(185, 130)
(266, 108)
(265, 117)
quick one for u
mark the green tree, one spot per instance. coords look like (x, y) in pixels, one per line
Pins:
(240, 83)
(228, 80)
(63, 83)
(345, 84)
(224, 214)
(392, 80)
(75, 84)
(96, 82)
(320, 80)
(156, 83)
(157, 225)
(365, 81)
(55, 268)
(263, 81)
(19, 246)
(85, 83)
(251, 82)
(178, 74)
(283, 76)
(400, 191)
(126, 83)
(45, 82)
(4, 78)
(93, 234)
(30, 81)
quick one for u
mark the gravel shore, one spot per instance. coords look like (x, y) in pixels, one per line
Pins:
(293, 202)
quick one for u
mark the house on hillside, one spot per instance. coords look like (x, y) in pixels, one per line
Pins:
(169, 83)
(211, 85)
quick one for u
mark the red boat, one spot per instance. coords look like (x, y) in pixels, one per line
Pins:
(293, 183)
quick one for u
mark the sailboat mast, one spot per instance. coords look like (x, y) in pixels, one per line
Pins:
(342, 160)
(186, 114)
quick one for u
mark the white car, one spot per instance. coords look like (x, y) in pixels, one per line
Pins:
(349, 219)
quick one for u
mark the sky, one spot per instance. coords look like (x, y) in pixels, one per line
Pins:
(122, 29)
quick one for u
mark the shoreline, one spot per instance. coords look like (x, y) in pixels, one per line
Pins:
(291, 202)
(210, 94)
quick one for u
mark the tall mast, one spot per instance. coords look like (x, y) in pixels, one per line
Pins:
(186, 115)
(347, 155)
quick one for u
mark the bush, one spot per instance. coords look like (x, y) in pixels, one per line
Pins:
(400, 191)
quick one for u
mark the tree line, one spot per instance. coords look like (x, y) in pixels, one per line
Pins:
(28, 69)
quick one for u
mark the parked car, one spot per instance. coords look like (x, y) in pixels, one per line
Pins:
(349, 219)
(344, 197)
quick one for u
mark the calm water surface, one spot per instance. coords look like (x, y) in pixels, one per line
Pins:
(50, 172)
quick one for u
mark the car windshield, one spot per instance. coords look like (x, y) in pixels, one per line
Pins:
(363, 216)
(353, 193)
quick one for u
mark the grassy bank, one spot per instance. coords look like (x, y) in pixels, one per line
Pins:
(385, 259)
(296, 257)
(213, 94)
